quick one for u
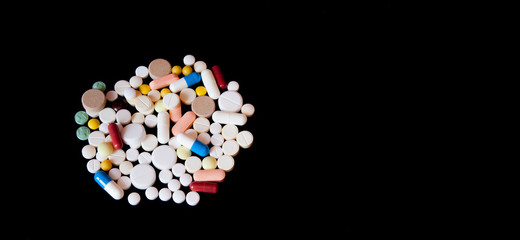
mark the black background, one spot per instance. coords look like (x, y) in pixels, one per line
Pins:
(312, 71)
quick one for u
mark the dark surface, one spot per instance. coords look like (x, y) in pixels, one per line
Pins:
(308, 70)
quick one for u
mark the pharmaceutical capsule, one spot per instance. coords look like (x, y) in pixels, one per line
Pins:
(185, 82)
(193, 144)
(163, 81)
(117, 141)
(109, 185)
(223, 117)
(219, 77)
(206, 187)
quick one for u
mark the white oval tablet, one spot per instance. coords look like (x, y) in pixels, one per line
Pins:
(134, 198)
(199, 66)
(142, 176)
(120, 87)
(164, 157)
(192, 198)
(144, 105)
(230, 101)
(188, 60)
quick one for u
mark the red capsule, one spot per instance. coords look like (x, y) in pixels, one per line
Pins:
(113, 130)
(219, 77)
(206, 187)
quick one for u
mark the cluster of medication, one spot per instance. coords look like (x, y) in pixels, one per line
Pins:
(122, 153)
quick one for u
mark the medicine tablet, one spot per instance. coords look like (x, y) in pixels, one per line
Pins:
(174, 185)
(164, 157)
(142, 176)
(230, 147)
(129, 93)
(93, 100)
(145, 158)
(230, 101)
(154, 95)
(245, 139)
(226, 163)
(174, 143)
(178, 196)
(111, 95)
(93, 166)
(121, 86)
(135, 81)
(199, 66)
(193, 164)
(209, 162)
(188, 60)
(178, 169)
(201, 125)
(141, 71)
(165, 194)
(185, 179)
(215, 128)
(138, 118)
(171, 100)
(150, 121)
(158, 68)
(144, 105)
(187, 96)
(117, 157)
(132, 154)
(134, 198)
(248, 109)
(107, 115)
(203, 106)
(204, 138)
(229, 131)
(105, 149)
(165, 176)
(192, 198)
(217, 140)
(123, 116)
(126, 167)
(145, 89)
(88, 151)
(151, 193)
(114, 173)
(216, 151)
(81, 117)
(124, 182)
(149, 142)
(183, 152)
(233, 86)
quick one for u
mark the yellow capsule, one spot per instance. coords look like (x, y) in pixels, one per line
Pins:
(106, 165)
(186, 70)
(200, 90)
(165, 91)
(93, 124)
(144, 89)
(176, 69)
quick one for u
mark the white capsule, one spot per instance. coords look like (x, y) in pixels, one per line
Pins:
(229, 118)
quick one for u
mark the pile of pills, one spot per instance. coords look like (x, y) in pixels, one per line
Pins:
(188, 151)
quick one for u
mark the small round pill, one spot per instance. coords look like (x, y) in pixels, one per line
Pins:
(183, 152)
(129, 93)
(93, 166)
(124, 182)
(226, 163)
(134, 198)
(165, 175)
(88, 151)
(141, 71)
(93, 124)
(165, 194)
(186, 70)
(248, 109)
(165, 91)
(135, 81)
(229, 131)
(178, 169)
(114, 173)
(185, 179)
(82, 133)
(192, 198)
(177, 69)
(81, 117)
(174, 185)
(215, 128)
(158, 68)
(187, 96)
(106, 165)
(245, 139)
(199, 66)
(233, 86)
(200, 90)
(99, 85)
(209, 163)
(201, 125)
(230, 147)
(111, 95)
(193, 164)
(178, 196)
(188, 60)
(144, 89)
(151, 193)
(105, 149)
(126, 167)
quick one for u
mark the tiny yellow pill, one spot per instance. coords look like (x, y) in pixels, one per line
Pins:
(200, 90)
(209, 163)
(93, 124)
(165, 91)
(186, 70)
(106, 165)
(176, 69)
(144, 89)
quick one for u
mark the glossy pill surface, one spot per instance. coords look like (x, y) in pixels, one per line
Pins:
(206, 187)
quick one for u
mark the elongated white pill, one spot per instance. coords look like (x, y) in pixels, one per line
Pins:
(210, 83)
(229, 118)
(163, 127)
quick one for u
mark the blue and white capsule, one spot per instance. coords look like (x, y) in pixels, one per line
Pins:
(193, 144)
(109, 185)
(185, 82)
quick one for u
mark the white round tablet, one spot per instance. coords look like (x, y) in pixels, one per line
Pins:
(193, 164)
(215, 151)
(187, 96)
(165, 176)
(245, 139)
(233, 86)
(185, 179)
(88, 151)
(135, 81)
(123, 116)
(230, 147)
(126, 167)
(188, 60)
(142, 176)
(132, 154)
(163, 157)
(129, 93)
(151, 193)
(95, 138)
(154, 95)
(178, 169)
(165, 194)
(114, 173)
(226, 163)
(229, 131)
(145, 158)
(217, 139)
(174, 143)
(198, 66)
(117, 157)
(215, 128)
(174, 185)
(107, 115)
(120, 87)
(134, 198)
(178, 196)
(201, 125)
(141, 71)
(149, 142)
(204, 138)
(124, 182)
(248, 109)
(192, 198)
(93, 166)
(150, 121)
(230, 101)
(171, 100)
(138, 118)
